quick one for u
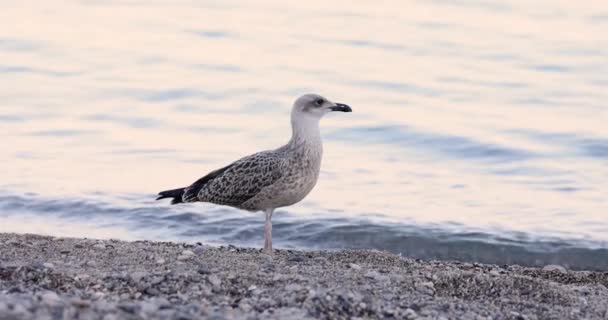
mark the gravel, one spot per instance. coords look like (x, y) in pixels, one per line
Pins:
(65, 278)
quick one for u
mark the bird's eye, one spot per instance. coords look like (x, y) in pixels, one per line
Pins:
(319, 102)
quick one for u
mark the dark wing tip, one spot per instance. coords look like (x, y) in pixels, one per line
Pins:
(176, 194)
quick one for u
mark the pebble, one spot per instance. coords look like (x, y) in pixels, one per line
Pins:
(215, 281)
(128, 307)
(293, 287)
(267, 258)
(377, 276)
(149, 307)
(371, 274)
(136, 283)
(183, 257)
(320, 260)
(518, 316)
(296, 258)
(48, 265)
(137, 276)
(187, 253)
(82, 277)
(426, 287)
(203, 270)
(354, 266)
(81, 303)
(199, 250)
(554, 267)
(410, 314)
(389, 312)
(50, 298)
(110, 316)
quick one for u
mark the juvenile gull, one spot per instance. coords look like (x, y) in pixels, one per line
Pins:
(269, 179)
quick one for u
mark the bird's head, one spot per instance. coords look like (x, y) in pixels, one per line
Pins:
(316, 106)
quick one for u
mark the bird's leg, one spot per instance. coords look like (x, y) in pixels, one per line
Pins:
(268, 232)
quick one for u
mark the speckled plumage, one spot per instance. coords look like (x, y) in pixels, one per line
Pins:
(269, 179)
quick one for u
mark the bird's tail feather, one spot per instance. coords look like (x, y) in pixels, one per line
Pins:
(176, 194)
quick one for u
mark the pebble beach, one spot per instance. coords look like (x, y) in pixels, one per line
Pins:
(67, 278)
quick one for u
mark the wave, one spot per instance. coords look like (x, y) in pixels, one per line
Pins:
(143, 219)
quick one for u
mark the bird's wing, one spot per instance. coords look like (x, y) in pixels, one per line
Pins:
(238, 182)
(191, 192)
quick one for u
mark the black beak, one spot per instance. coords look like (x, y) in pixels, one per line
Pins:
(341, 107)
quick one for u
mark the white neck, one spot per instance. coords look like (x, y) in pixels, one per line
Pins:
(305, 131)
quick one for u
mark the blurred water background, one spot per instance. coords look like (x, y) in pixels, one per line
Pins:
(479, 131)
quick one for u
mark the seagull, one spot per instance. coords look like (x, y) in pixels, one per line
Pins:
(269, 179)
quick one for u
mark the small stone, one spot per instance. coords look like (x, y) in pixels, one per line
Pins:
(519, 316)
(187, 253)
(110, 316)
(410, 314)
(48, 265)
(554, 267)
(149, 307)
(371, 274)
(494, 273)
(199, 250)
(81, 303)
(377, 276)
(354, 266)
(99, 246)
(183, 257)
(245, 306)
(427, 287)
(50, 298)
(152, 291)
(82, 277)
(160, 261)
(128, 307)
(320, 260)
(215, 281)
(397, 277)
(204, 270)
(267, 258)
(293, 287)
(138, 276)
(156, 280)
(296, 258)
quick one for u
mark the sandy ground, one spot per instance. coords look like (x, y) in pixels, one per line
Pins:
(65, 278)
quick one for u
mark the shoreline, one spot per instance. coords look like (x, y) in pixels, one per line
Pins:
(72, 278)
